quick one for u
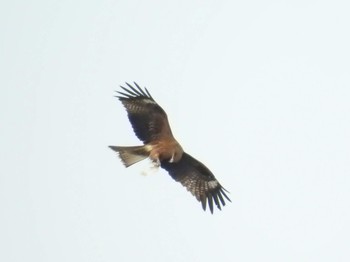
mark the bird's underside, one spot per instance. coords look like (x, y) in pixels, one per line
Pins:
(151, 126)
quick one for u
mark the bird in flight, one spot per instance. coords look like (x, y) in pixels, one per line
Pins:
(151, 126)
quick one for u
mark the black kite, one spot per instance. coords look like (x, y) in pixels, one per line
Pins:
(150, 124)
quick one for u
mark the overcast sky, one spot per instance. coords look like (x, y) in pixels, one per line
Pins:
(259, 91)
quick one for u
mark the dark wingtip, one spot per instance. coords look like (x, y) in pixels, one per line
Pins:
(204, 202)
(210, 202)
(217, 197)
(222, 191)
(216, 200)
(132, 92)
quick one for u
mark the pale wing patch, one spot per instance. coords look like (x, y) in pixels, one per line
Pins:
(149, 101)
(213, 184)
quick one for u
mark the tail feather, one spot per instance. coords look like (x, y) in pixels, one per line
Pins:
(131, 154)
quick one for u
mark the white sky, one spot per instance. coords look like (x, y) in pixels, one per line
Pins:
(259, 91)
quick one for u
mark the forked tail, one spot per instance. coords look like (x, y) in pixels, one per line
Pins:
(131, 154)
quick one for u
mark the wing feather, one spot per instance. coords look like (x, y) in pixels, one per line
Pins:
(148, 119)
(217, 202)
(199, 180)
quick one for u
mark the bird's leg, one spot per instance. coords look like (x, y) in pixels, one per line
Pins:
(156, 162)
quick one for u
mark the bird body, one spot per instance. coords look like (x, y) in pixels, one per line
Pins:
(150, 124)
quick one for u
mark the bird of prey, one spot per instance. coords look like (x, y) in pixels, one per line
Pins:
(151, 126)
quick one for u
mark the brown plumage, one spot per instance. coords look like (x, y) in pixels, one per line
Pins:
(151, 126)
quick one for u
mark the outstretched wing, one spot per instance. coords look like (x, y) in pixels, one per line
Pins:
(198, 179)
(147, 118)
